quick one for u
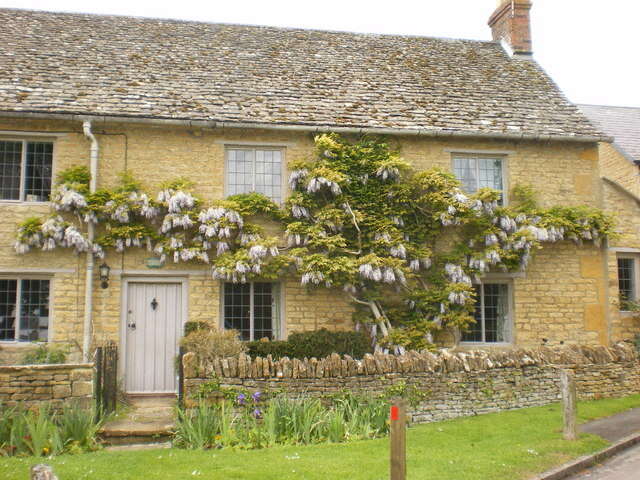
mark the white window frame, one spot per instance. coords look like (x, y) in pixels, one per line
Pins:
(636, 277)
(18, 279)
(277, 326)
(510, 316)
(23, 167)
(254, 148)
(503, 156)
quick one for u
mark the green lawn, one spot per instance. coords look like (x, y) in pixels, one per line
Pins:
(509, 445)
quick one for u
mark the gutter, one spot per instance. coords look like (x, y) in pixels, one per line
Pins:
(88, 287)
(307, 128)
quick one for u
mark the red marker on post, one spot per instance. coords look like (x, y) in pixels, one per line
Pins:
(395, 412)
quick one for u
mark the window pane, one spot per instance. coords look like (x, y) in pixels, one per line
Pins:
(10, 166)
(490, 173)
(240, 171)
(237, 308)
(626, 280)
(269, 173)
(8, 290)
(34, 310)
(465, 170)
(495, 297)
(496, 312)
(38, 171)
(474, 334)
(263, 310)
(255, 171)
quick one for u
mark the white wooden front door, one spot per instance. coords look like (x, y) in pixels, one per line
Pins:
(153, 325)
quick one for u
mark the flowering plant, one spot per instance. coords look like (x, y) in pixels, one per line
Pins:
(405, 245)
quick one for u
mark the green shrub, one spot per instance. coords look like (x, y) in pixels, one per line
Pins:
(44, 432)
(197, 428)
(9, 434)
(320, 343)
(45, 354)
(253, 423)
(637, 342)
(43, 438)
(277, 349)
(78, 428)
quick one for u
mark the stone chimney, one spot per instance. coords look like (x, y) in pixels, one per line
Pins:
(511, 26)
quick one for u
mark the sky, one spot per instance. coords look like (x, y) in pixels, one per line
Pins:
(589, 47)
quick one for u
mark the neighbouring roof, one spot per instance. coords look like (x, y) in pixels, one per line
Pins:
(622, 123)
(123, 66)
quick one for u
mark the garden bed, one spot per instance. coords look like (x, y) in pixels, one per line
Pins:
(507, 445)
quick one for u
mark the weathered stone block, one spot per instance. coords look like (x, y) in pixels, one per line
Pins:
(81, 389)
(61, 391)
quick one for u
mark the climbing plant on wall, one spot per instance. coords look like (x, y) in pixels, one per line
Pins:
(405, 245)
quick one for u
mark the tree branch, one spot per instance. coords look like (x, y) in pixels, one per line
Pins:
(362, 302)
(355, 224)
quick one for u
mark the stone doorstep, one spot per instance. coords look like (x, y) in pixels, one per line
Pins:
(145, 427)
(126, 432)
(136, 442)
(151, 419)
(142, 401)
(138, 431)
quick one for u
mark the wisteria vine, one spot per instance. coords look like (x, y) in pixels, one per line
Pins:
(406, 246)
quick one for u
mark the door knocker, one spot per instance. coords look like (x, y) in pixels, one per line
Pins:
(154, 304)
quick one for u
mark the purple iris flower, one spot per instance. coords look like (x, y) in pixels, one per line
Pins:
(241, 399)
(257, 413)
(256, 397)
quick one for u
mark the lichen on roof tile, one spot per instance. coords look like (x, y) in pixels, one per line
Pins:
(124, 66)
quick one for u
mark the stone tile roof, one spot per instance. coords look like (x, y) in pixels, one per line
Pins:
(622, 123)
(123, 66)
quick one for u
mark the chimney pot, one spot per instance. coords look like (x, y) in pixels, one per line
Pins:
(511, 24)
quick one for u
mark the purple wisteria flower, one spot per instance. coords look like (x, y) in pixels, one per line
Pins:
(241, 398)
(256, 397)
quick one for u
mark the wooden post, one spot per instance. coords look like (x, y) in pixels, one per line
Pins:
(398, 439)
(568, 389)
(42, 472)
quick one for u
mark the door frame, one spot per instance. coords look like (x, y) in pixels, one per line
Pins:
(124, 294)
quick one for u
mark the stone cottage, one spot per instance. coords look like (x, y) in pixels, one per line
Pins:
(619, 168)
(227, 107)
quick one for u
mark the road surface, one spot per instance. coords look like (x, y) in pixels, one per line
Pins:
(624, 466)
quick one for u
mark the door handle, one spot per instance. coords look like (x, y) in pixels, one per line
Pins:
(130, 323)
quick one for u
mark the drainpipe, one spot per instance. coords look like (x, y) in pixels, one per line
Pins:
(88, 287)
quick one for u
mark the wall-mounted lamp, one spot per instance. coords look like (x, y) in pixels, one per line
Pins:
(104, 275)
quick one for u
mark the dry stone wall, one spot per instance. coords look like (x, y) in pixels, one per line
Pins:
(31, 385)
(450, 384)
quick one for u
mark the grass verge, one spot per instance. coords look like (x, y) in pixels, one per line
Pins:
(507, 445)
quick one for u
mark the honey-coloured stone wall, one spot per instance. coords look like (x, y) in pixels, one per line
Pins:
(450, 384)
(558, 298)
(55, 385)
